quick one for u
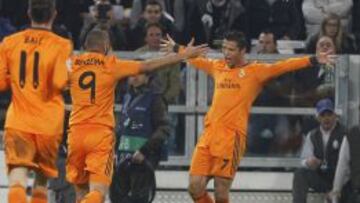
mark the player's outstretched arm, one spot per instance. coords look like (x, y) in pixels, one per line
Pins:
(293, 64)
(189, 52)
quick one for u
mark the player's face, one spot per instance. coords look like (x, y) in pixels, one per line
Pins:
(232, 53)
(267, 44)
(152, 13)
(325, 44)
(138, 80)
(327, 120)
(153, 37)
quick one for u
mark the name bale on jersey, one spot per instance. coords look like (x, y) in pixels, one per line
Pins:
(33, 40)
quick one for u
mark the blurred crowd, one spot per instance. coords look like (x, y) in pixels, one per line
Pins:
(206, 20)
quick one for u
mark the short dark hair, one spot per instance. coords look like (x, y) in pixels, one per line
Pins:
(41, 11)
(150, 25)
(96, 39)
(153, 3)
(238, 37)
(269, 32)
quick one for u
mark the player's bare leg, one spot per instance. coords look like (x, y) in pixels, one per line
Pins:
(197, 189)
(81, 190)
(222, 189)
(39, 192)
(96, 194)
(17, 185)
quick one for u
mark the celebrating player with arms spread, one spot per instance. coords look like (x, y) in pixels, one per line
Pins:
(237, 84)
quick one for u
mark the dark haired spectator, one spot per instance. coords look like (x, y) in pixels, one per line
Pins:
(320, 154)
(315, 11)
(331, 27)
(267, 43)
(153, 13)
(138, 7)
(167, 80)
(279, 16)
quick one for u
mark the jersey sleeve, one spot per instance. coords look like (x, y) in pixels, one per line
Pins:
(200, 63)
(269, 71)
(204, 64)
(125, 68)
(4, 77)
(60, 73)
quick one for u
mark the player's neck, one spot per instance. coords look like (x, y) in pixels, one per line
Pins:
(46, 26)
(239, 64)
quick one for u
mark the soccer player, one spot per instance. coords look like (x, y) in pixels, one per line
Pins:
(33, 62)
(237, 83)
(93, 77)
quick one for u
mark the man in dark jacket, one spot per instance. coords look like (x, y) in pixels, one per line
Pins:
(320, 154)
(142, 131)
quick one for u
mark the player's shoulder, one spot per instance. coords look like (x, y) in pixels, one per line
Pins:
(59, 40)
(14, 38)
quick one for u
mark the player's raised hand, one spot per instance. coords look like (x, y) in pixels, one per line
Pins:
(327, 58)
(192, 51)
(167, 45)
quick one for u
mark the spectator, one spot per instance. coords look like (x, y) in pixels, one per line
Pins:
(138, 7)
(103, 20)
(331, 27)
(267, 43)
(320, 154)
(152, 14)
(167, 80)
(279, 16)
(320, 80)
(221, 16)
(261, 129)
(348, 168)
(315, 11)
(143, 129)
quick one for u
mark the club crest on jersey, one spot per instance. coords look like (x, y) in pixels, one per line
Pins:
(241, 73)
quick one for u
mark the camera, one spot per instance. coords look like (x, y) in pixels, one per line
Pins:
(102, 10)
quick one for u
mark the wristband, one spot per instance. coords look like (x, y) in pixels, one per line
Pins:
(176, 48)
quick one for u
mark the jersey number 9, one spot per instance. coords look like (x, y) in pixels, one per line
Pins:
(87, 81)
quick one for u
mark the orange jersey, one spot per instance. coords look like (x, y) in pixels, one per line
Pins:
(93, 78)
(236, 89)
(35, 62)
